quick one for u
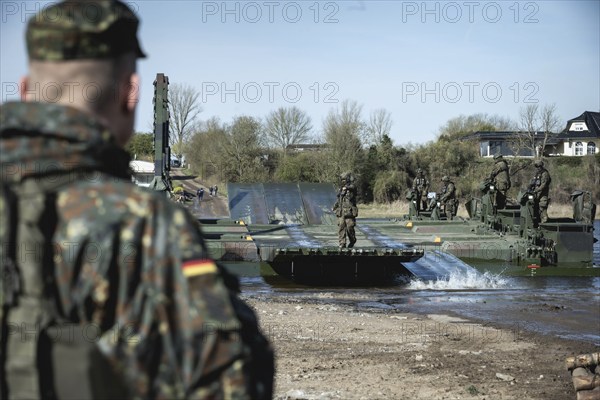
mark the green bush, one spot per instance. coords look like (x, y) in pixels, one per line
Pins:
(568, 161)
(390, 186)
(141, 145)
(300, 167)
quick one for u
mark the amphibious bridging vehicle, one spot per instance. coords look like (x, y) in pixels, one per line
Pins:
(290, 228)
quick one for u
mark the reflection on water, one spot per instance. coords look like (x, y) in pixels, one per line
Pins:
(568, 307)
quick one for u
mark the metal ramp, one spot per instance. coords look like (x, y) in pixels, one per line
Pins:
(282, 203)
(318, 199)
(432, 266)
(247, 203)
(380, 239)
(437, 264)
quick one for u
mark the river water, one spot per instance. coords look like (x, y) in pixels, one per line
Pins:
(567, 307)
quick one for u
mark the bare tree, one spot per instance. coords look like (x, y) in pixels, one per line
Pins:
(343, 129)
(380, 125)
(346, 119)
(203, 151)
(461, 126)
(242, 150)
(549, 120)
(184, 108)
(287, 126)
(536, 126)
(524, 140)
(549, 124)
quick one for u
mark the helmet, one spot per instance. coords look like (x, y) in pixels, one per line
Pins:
(347, 177)
(445, 179)
(419, 171)
(538, 163)
(497, 156)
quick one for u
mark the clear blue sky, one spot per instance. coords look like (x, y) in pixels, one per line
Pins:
(425, 62)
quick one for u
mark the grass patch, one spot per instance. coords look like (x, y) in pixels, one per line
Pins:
(399, 208)
(395, 209)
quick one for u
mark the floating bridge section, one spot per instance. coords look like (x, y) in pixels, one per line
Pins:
(292, 228)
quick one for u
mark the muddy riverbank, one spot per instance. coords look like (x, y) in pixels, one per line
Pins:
(331, 350)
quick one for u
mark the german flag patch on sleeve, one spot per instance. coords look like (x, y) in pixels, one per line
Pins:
(200, 266)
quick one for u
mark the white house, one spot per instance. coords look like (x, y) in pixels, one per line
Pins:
(581, 136)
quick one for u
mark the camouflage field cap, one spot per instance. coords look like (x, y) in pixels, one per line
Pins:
(497, 156)
(76, 30)
(538, 163)
(445, 179)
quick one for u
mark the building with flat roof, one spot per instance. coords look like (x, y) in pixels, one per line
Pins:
(143, 172)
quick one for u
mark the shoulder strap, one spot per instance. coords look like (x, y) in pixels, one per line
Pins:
(31, 309)
(11, 283)
(10, 280)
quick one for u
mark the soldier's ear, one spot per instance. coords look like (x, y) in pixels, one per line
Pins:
(23, 86)
(132, 93)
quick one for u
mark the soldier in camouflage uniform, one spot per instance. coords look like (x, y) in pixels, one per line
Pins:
(448, 198)
(501, 180)
(541, 190)
(346, 210)
(107, 289)
(421, 188)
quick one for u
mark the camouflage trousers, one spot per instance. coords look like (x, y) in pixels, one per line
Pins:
(500, 200)
(542, 206)
(450, 209)
(421, 201)
(346, 228)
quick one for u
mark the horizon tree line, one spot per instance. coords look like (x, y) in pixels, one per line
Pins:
(249, 149)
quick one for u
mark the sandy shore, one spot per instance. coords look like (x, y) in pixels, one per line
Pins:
(335, 351)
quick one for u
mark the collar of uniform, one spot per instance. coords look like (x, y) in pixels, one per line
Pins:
(41, 139)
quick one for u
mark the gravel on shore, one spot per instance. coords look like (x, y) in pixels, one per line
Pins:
(337, 351)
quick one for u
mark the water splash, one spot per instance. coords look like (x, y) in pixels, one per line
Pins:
(460, 280)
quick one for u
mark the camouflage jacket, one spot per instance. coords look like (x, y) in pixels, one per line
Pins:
(349, 193)
(421, 184)
(500, 175)
(345, 206)
(541, 182)
(448, 192)
(132, 263)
